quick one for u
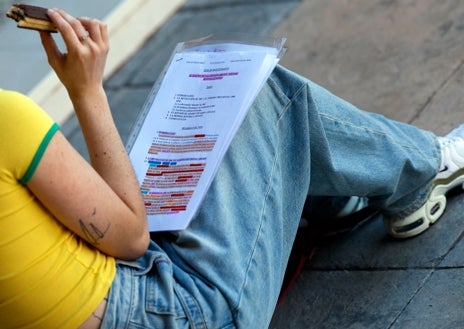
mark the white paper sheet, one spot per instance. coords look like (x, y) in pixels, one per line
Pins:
(201, 102)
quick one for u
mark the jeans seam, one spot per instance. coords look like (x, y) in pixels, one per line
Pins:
(372, 131)
(421, 197)
(268, 191)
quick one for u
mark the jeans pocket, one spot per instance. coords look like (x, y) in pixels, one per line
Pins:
(161, 297)
(169, 301)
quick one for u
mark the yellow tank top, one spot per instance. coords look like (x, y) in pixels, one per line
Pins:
(49, 278)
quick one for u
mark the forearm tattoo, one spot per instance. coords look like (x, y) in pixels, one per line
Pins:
(91, 232)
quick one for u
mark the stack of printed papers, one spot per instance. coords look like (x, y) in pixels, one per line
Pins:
(190, 118)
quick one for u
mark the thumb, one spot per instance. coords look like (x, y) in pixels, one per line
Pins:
(52, 51)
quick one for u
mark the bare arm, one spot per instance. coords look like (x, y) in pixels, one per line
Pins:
(101, 203)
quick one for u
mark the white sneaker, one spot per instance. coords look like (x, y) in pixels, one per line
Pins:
(451, 175)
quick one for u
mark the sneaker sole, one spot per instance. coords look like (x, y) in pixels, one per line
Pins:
(430, 212)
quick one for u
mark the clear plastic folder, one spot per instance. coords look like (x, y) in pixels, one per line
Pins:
(191, 116)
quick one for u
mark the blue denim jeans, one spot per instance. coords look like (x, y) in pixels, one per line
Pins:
(225, 270)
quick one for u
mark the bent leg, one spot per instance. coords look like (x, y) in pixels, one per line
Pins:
(297, 139)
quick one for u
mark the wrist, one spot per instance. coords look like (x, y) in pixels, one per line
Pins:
(86, 93)
(91, 100)
(92, 109)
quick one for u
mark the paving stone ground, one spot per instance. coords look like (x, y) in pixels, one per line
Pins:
(403, 59)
